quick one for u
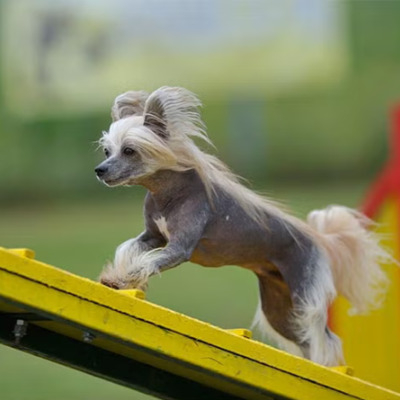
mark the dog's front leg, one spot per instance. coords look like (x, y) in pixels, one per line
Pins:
(170, 256)
(129, 268)
(183, 239)
(149, 254)
(133, 266)
(144, 265)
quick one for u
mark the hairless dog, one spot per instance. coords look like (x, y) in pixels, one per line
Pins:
(197, 210)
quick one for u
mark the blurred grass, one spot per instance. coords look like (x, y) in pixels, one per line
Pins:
(80, 236)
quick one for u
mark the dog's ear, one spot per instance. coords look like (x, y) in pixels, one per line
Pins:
(173, 110)
(154, 114)
(128, 104)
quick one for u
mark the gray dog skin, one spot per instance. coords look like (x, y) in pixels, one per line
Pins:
(195, 213)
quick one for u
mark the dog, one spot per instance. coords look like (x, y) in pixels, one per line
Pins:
(197, 210)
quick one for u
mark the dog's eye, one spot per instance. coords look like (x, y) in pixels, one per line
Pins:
(107, 153)
(128, 151)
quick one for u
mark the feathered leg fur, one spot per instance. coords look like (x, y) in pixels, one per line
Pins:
(132, 266)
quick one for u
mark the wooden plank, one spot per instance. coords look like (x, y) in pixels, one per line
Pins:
(124, 324)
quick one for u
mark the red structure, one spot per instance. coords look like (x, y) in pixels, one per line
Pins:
(388, 182)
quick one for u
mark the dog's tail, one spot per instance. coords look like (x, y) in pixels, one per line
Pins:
(355, 255)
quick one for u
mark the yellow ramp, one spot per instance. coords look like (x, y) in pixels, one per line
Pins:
(120, 336)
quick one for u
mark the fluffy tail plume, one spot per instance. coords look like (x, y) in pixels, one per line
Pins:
(355, 256)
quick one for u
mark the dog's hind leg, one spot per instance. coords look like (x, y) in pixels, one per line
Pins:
(274, 311)
(295, 316)
(310, 316)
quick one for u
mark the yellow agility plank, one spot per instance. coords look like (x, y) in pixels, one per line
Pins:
(81, 323)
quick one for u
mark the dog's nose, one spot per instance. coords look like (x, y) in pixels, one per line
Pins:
(100, 171)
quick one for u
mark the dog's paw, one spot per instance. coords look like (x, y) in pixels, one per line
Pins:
(110, 284)
(115, 278)
(121, 285)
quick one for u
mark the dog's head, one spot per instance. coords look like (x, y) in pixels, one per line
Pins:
(149, 133)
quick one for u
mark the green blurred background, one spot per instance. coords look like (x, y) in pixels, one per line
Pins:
(296, 98)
